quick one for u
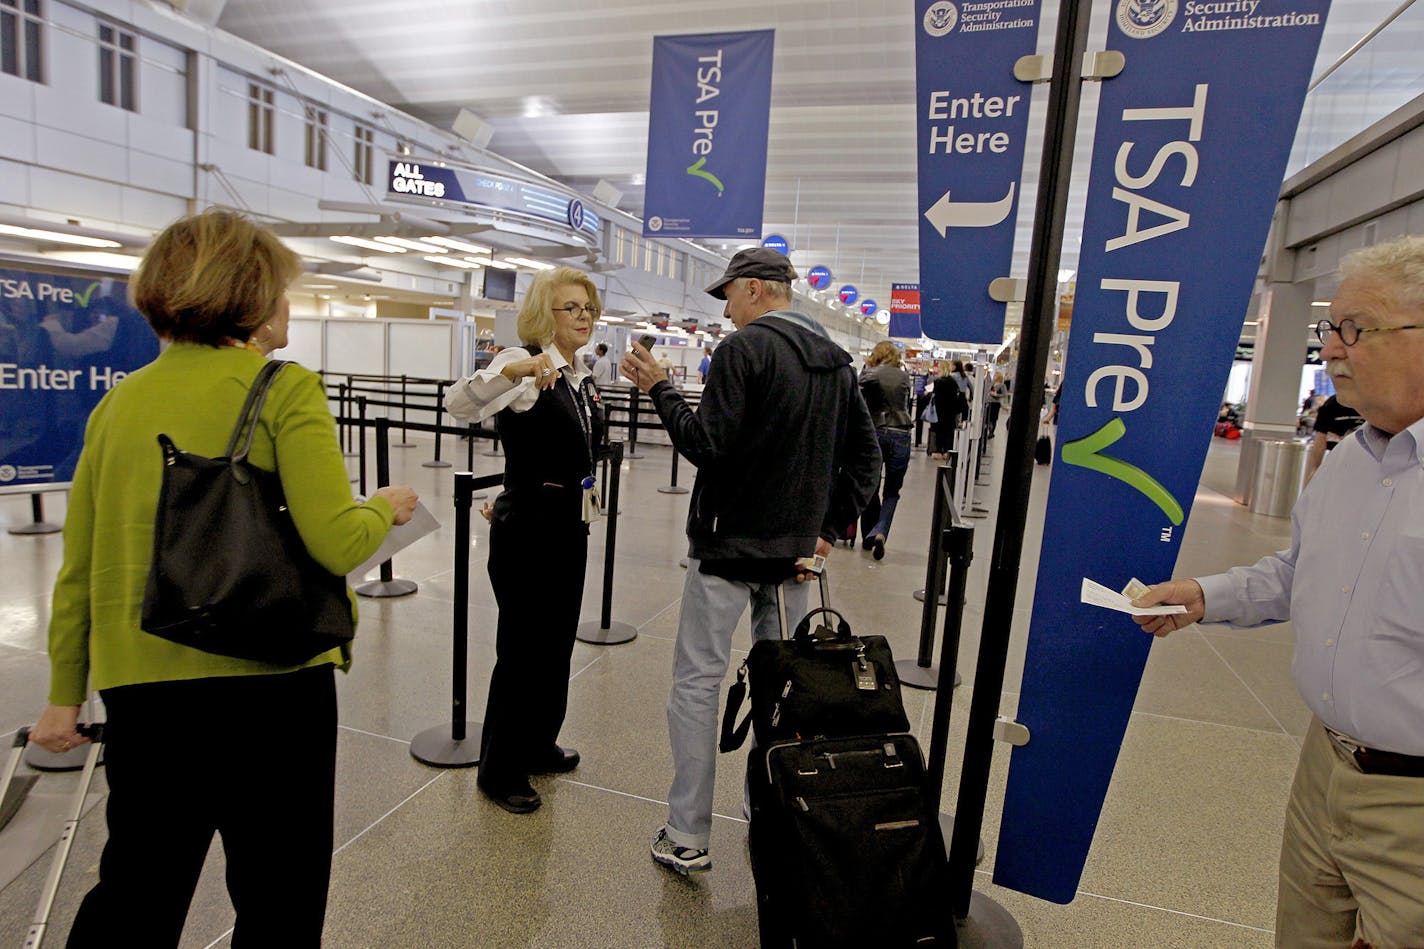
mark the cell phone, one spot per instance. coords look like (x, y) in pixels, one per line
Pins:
(813, 564)
(647, 341)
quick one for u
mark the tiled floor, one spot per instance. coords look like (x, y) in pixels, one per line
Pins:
(1184, 855)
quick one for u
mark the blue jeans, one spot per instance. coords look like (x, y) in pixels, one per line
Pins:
(895, 450)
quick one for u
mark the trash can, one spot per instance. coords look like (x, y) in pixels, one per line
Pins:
(1279, 472)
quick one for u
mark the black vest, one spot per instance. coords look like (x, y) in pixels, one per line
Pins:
(547, 444)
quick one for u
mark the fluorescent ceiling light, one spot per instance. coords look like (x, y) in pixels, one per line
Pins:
(454, 262)
(464, 247)
(1065, 275)
(499, 264)
(96, 258)
(1320, 303)
(369, 245)
(319, 286)
(421, 246)
(533, 264)
(611, 319)
(56, 236)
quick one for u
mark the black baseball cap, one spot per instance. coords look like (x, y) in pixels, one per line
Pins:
(760, 262)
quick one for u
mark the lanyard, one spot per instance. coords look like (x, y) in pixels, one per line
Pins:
(582, 411)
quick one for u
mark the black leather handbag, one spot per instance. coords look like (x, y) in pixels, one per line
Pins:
(825, 683)
(230, 574)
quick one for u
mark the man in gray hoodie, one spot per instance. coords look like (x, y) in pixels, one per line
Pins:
(786, 458)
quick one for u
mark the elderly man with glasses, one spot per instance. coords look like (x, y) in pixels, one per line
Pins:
(1352, 583)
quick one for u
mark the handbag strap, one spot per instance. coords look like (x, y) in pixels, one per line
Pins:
(734, 735)
(251, 409)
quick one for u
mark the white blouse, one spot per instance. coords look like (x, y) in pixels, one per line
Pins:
(482, 395)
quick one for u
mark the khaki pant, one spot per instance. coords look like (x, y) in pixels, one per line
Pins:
(1352, 861)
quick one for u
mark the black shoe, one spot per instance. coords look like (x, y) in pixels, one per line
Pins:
(877, 549)
(558, 761)
(865, 543)
(517, 798)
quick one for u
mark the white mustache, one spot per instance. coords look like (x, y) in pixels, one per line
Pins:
(1338, 369)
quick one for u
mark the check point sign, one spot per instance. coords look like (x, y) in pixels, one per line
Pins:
(972, 117)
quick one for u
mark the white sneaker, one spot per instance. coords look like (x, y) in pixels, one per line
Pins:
(684, 860)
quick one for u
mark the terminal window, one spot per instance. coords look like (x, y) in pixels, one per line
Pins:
(259, 118)
(117, 67)
(365, 136)
(316, 138)
(20, 49)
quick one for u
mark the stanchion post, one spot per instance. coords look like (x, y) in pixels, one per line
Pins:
(361, 441)
(458, 744)
(673, 487)
(37, 524)
(607, 632)
(981, 920)
(405, 441)
(439, 411)
(388, 585)
(633, 411)
(952, 464)
(919, 673)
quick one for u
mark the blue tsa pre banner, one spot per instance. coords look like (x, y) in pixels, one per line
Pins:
(1191, 144)
(64, 342)
(973, 118)
(707, 127)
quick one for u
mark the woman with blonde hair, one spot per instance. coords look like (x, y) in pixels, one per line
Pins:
(197, 743)
(886, 387)
(550, 423)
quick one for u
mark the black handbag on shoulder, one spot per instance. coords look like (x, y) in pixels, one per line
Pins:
(230, 574)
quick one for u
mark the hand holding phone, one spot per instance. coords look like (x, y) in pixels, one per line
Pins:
(648, 341)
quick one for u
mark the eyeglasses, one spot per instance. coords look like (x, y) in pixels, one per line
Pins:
(1350, 333)
(574, 309)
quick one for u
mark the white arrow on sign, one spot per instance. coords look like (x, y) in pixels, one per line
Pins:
(946, 214)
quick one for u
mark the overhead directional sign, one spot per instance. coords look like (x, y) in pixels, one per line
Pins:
(819, 277)
(973, 119)
(707, 131)
(849, 295)
(1176, 216)
(868, 306)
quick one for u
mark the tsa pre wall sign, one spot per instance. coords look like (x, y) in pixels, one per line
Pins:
(1191, 145)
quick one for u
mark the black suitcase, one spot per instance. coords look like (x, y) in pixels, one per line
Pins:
(844, 850)
(1043, 450)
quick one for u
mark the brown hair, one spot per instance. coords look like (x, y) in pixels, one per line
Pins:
(536, 312)
(211, 277)
(884, 352)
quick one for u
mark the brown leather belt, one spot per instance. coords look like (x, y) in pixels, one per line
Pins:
(1374, 761)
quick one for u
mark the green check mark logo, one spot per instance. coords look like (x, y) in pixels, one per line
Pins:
(83, 298)
(696, 169)
(1087, 453)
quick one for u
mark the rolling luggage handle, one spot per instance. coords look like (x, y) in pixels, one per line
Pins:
(733, 737)
(95, 733)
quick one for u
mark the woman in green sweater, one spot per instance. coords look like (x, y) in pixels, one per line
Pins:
(197, 742)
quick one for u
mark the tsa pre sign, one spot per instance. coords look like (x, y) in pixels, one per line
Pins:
(973, 118)
(1191, 144)
(64, 342)
(707, 131)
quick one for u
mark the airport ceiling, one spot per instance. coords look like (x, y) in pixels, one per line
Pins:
(565, 86)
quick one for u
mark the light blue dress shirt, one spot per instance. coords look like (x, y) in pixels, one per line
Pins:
(1352, 583)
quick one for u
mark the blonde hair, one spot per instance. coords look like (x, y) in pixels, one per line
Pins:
(883, 353)
(536, 313)
(1398, 263)
(211, 277)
